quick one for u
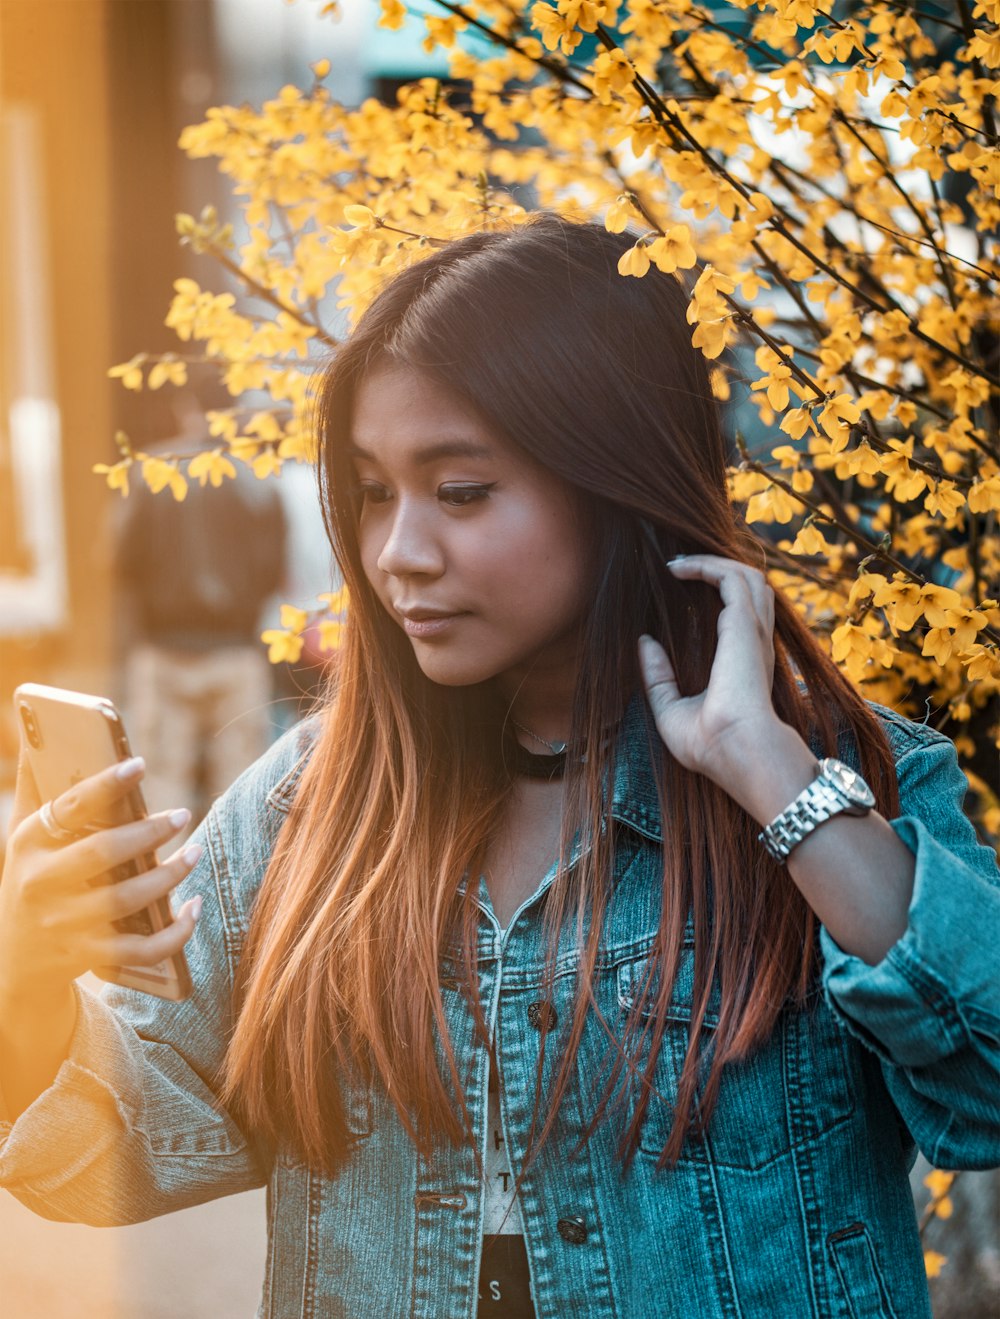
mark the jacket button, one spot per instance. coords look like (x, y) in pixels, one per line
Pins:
(542, 1015)
(573, 1230)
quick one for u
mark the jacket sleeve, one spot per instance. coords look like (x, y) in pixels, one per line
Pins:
(130, 1127)
(930, 1009)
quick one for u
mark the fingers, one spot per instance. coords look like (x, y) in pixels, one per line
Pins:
(96, 802)
(114, 902)
(146, 949)
(94, 859)
(739, 584)
(718, 570)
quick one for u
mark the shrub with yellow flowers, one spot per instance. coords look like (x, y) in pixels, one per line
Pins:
(826, 180)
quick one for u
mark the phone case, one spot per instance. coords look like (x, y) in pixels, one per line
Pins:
(69, 736)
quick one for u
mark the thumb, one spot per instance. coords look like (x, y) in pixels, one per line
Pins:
(658, 676)
(26, 797)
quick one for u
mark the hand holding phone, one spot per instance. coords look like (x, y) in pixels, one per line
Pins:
(81, 887)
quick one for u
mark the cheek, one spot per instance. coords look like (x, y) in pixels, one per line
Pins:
(543, 560)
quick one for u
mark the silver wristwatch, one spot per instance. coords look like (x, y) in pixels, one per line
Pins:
(836, 788)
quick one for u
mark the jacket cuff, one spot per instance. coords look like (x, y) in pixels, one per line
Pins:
(905, 1007)
(83, 1107)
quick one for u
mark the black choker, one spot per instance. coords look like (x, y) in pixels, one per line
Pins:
(528, 765)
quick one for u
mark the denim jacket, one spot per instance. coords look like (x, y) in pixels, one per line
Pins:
(797, 1202)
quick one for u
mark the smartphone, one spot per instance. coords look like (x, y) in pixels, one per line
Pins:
(67, 736)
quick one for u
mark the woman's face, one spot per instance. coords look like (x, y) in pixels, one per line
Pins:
(456, 522)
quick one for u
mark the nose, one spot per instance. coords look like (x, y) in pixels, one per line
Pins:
(410, 547)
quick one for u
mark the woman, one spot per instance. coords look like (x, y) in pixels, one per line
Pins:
(540, 971)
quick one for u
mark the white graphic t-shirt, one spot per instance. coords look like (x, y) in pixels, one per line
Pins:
(504, 1288)
(503, 1212)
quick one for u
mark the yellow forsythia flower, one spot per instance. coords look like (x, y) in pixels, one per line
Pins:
(635, 261)
(159, 474)
(711, 337)
(673, 250)
(337, 601)
(282, 646)
(981, 662)
(618, 214)
(130, 372)
(612, 73)
(720, 384)
(117, 474)
(294, 619)
(330, 634)
(360, 217)
(771, 505)
(866, 584)
(212, 465)
(393, 14)
(986, 47)
(934, 1263)
(938, 601)
(266, 463)
(810, 540)
(902, 601)
(167, 369)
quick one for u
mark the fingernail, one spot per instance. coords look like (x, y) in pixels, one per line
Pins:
(196, 909)
(191, 854)
(130, 769)
(180, 817)
(676, 559)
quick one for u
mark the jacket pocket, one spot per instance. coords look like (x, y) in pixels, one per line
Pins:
(793, 1089)
(860, 1278)
(181, 1116)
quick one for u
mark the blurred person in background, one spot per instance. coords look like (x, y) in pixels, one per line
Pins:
(195, 577)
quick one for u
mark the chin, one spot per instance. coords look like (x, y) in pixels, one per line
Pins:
(454, 675)
(456, 671)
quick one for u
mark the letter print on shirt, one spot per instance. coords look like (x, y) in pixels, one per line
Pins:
(504, 1287)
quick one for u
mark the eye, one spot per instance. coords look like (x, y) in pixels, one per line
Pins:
(460, 496)
(369, 492)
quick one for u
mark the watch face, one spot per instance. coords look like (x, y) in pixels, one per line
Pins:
(849, 782)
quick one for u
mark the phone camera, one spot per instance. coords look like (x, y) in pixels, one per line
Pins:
(31, 727)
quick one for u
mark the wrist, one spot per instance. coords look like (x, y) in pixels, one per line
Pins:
(21, 995)
(767, 766)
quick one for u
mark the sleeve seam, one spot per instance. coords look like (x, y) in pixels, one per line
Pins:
(125, 1109)
(917, 735)
(221, 875)
(932, 994)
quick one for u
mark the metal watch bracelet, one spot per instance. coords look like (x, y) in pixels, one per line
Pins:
(817, 803)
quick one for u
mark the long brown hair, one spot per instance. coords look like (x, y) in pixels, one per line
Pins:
(594, 376)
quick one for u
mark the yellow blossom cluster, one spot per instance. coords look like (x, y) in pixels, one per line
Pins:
(827, 186)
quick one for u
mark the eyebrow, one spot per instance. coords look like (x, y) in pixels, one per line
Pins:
(434, 452)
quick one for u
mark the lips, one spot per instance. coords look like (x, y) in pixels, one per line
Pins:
(420, 614)
(423, 623)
